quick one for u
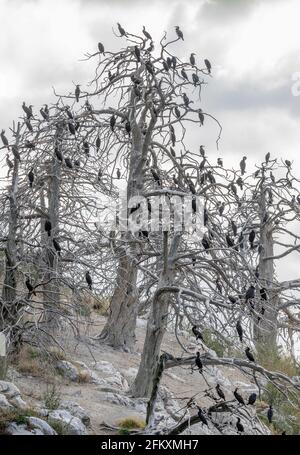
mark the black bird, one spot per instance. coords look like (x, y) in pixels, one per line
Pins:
(101, 48)
(263, 294)
(121, 30)
(179, 32)
(239, 330)
(58, 154)
(241, 241)
(71, 128)
(202, 164)
(239, 426)
(112, 122)
(4, 138)
(165, 65)
(205, 243)
(48, 227)
(174, 62)
(192, 59)
(77, 163)
(175, 180)
(232, 299)
(243, 165)
(208, 65)
(201, 116)
(177, 112)
(234, 228)
(238, 397)
(69, 163)
(194, 205)
(30, 177)
(252, 398)
(240, 183)
(86, 148)
(77, 92)
(195, 78)
(9, 163)
(149, 68)
(147, 35)
(270, 414)
(202, 151)
(118, 174)
(57, 246)
(184, 75)
(198, 362)
(192, 187)
(197, 333)
(202, 416)
(221, 208)
(44, 114)
(220, 392)
(128, 127)
(283, 433)
(137, 53)
(250, 294)
(16, 153)
(173, 153)
(27, 110)
(288, 163)
(229, 241)
(220, 162)
(89, 280)
(156, 176)
(29, 287)
(251, 238)
(249, 355)
(267, 157)
(186, 100)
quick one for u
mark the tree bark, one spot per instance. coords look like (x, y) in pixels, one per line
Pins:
(156, 327)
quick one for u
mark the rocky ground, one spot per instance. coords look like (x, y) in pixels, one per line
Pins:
(86, 391)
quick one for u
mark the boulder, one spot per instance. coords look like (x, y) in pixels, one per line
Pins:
(69, 425)
(76, 411)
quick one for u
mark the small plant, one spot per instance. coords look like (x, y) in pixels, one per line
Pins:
(52, 397)
(130, 423)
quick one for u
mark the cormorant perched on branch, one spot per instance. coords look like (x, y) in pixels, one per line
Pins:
(202, 416)
(205, 243)
(238, 397)
(30, 177)
(252, 398)
(101, 48)
(208, 65)
(197, 333)
(202, 151)
(251, 238)
(220, 392)
(288, 164)
(270, 414)
(239, 426)
(239, 330)
(267, 157)
(192, 59)
(44, 114)
(146, 34)
(156, 176)
(243, 165)
(112, 122)
(195, 79)
(27, 110)
(89, 280)
(71, 128)
(77, 92)
(121, 29)
(28, 124)
(186, 100)
(234, 228)
(192, 187)
(165, 65)
(29, 287)
(48, 227)
(86, 148)
(240, 183)
(16, 153)
(118, 174)
(149, 67)
(249, 355)
(98, 143)
(128, 127)
(198, 362)
(69, 163)
(263, 294)
(57, 246)
(174, 62)
(58, 153)
(184, 75)
(137, 53)
(250, 294)
(4, 138)
(179, 32)
(201, 116)
(229, 241)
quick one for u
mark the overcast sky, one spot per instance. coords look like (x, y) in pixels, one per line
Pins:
(253, 45)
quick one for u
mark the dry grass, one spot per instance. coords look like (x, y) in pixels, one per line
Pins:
(131, 423)
(15, 415)
(28, 361)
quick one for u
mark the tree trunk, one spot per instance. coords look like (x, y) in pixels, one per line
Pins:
(156, 327)
(265, 330)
